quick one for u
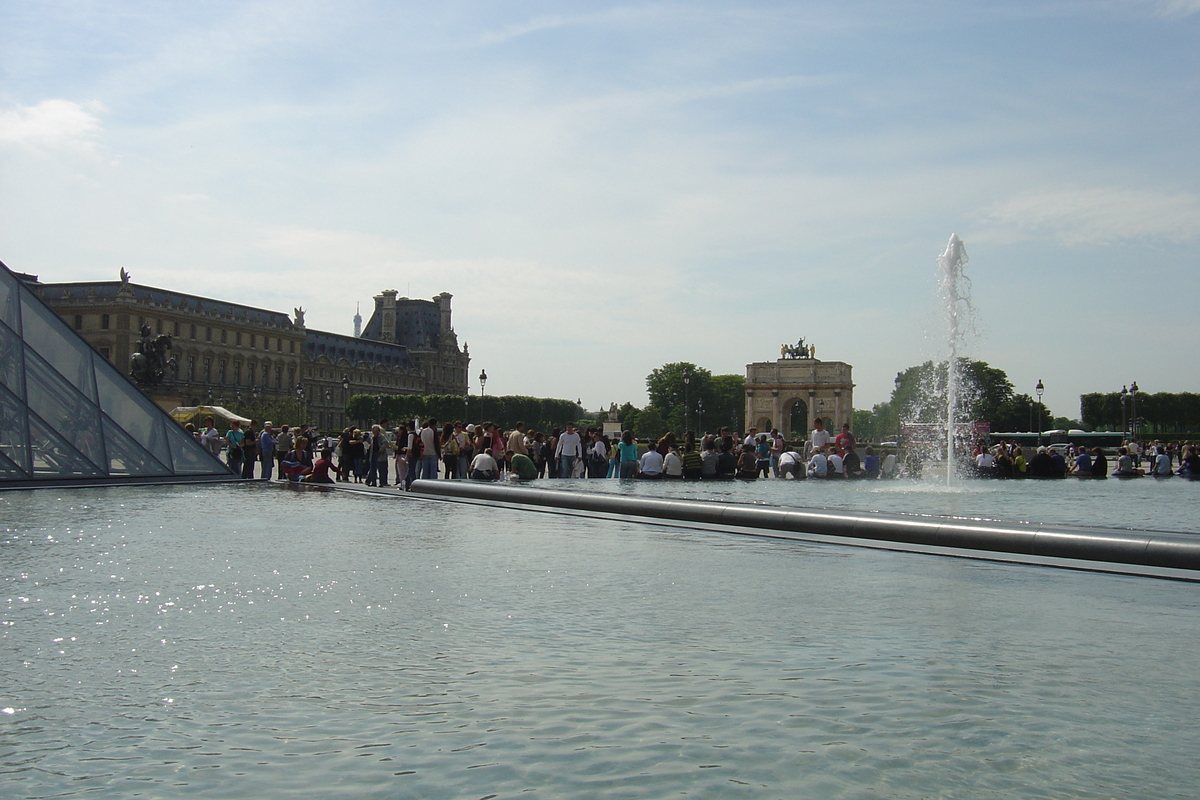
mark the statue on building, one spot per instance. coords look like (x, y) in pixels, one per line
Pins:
(613, 414)
(150, 364)
(299, 314)
(797, 350)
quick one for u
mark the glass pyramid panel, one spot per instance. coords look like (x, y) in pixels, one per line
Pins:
(53, 386)
(133, 411)
(9, 471)
(53, 456)
(70, 355)
(14, 432)
(127, 457)
(12, 366)
(10, 292)
(191, 460)
(63, 408)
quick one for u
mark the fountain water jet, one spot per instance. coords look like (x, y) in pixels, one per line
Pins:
(955, 290)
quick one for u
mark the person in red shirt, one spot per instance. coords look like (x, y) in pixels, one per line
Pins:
(845, 440)
(320, 469)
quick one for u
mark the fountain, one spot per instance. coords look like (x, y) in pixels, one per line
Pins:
(955, 290)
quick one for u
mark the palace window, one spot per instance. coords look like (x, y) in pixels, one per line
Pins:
(104, 322)
(222, 370)
(224, 335)
(79, 322)
(193, 330)
(208, 334)
(239, 339)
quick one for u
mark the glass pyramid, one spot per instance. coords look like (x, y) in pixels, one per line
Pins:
(68, 415)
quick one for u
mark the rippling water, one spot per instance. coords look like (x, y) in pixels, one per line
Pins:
(254, 641)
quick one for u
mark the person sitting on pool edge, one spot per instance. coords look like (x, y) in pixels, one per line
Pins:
(320, 469)
(484, 466)
(1125, 465)
(521, 466)
(792, 463)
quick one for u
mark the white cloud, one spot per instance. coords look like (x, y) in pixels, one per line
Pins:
(52, 123)
(1101, 215)
(1174, 9)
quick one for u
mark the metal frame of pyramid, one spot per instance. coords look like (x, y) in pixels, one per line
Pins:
(68, 416)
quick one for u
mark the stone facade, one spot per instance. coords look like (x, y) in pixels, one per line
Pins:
(773, 388)
(244, 356)
(424, 327)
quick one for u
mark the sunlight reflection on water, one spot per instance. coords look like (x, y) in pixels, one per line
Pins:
(252, 641)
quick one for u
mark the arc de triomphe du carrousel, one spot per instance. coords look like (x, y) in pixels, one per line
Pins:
(791, 392)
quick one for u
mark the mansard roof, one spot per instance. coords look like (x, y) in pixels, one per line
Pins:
(336, 346)
(177, 301)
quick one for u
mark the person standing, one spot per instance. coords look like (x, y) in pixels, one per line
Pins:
(431, 450)
(516, 440)
(266, 450)
(233, 451)
(210, 437)
(250, 450)
(777, 446)
(845, 440)
(597, 461)
(283, 443)
(378, 452)
(820, 437)
(570, 448)
(628, 453)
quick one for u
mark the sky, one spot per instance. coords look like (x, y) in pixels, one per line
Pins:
(606, 188)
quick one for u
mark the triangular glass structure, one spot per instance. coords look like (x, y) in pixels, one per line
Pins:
(68, 415)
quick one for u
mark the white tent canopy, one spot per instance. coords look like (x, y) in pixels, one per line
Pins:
(182, 414)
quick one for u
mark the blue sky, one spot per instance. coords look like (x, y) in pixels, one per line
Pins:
(606, 188)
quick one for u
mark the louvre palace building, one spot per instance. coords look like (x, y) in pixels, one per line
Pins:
(246, 358)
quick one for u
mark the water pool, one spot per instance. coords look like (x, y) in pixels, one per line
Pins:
(246, 641)
(1170, 504)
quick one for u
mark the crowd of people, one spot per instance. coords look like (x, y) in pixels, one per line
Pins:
(1007, 460)
(485, 452)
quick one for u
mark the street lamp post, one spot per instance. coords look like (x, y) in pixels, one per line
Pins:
(1133, 417)
(687, 379)
(482, 391)
(1124, 411)
(1041, 408)
(345, 396)
(299, 404)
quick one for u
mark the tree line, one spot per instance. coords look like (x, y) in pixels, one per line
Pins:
(1161, 412)
(539, 413)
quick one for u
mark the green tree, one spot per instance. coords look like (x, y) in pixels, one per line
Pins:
(985, 394)
(728, 403)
